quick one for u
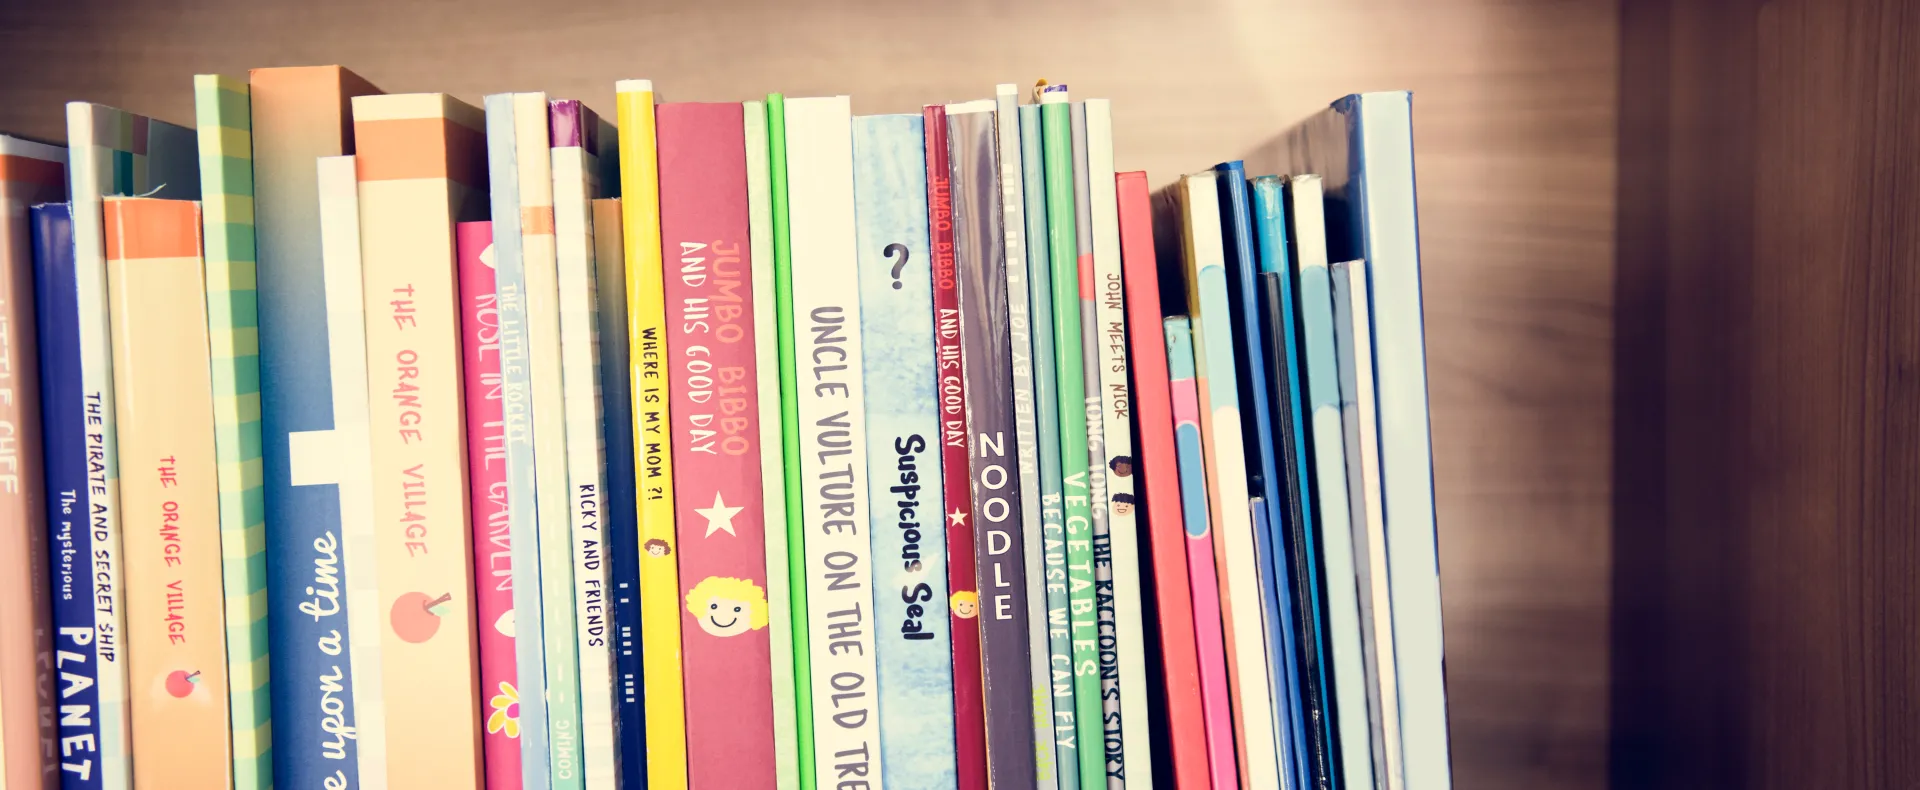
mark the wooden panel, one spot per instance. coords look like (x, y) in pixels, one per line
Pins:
(1516, 121)
(1768, 451)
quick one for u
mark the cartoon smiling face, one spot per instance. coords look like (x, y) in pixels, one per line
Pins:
(965, 604)
(726, 606)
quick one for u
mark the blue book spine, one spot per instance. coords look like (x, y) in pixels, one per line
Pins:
(1046, 398)
(1289, 611)
(63, 421)
(622, 516)
(909, 533)
(530, 653)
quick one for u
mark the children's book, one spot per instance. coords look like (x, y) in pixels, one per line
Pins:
(832, 409)
(1026, 427)
(1363, 147)
(299, 115)
(421, 168)
(969, 696)
(1209, 638)
(169, 495)
(907, 523)
(663, 689)
(30, 173)
(986, 363)
(1084, 568)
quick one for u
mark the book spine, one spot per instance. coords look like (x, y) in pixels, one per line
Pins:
(620, 517)
(1234, 552)
(299, 115)
(574, 184)
(102, 142)
(27, 712)
(1382, 207)
(665, 692)
(70, 496)
(1073, 300)
(226, 186)
(537, 741)
(1063, 240)
(1330, 480)
(492, 525)
(1026, 426)
(1353, 336)
(1123, 650)
(1154, 462)
(1063, 735)
(420, 167)
(1288, 589)
(521, 175)
(969, 696)
(986, 362)
(903, 427)
(722, 553)
(1208, 634)
(833, 426)
(767, 365)
(796, 599)
(176, 640)
(347, 451)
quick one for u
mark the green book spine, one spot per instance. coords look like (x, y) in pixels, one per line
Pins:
(1065, 736)
(790, 433)
(1063, 251)
(223, 114)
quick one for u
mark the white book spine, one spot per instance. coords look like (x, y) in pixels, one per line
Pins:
(586, 469)
(91, 179)
(1355, 349)
(352, 442)
(833, 462)
(1026, 426)
(1123, 567)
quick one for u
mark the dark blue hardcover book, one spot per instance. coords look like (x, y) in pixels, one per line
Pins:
(1293, 626)
(622, 516)
(70, 544)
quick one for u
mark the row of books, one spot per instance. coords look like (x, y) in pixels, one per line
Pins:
(367, 440)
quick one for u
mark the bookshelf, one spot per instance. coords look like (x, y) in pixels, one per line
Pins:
(1673, 522)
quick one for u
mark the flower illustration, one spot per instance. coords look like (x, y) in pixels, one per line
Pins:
(506, 711)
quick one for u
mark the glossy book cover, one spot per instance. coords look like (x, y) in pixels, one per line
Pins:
(908, 522)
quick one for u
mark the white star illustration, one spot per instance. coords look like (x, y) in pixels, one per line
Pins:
(957, 517)
(719, 517)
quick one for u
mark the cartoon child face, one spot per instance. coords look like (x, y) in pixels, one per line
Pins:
(658, 548)
(726, 606)
(965, 604)
(1121, 465)
(1122, 504)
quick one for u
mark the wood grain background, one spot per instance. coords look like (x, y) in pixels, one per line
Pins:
(1516, 109)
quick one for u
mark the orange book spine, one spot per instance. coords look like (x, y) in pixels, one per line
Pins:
(169, 494)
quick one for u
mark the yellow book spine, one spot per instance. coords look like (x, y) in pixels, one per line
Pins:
(653, 461)
(169, 494)
(420, 162)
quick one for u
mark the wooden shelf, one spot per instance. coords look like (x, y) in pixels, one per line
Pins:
(1516, 112)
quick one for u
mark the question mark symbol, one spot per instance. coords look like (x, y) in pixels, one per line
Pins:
(899, 249)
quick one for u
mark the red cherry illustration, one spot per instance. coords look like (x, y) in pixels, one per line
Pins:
(416, 618)
(180, 683)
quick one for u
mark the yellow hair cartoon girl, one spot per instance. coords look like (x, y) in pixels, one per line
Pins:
(726, 606)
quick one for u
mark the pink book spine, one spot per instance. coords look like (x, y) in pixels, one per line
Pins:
(487, 468)
(1209, 637)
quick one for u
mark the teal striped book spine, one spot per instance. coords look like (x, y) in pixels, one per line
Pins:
(223, 113)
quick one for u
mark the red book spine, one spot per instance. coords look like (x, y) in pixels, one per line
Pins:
(487, 471)
(969, 695)
(1160, 485)
(716, 454)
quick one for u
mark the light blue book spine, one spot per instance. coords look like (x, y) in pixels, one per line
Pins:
(517, 383)
(1363, 147)
(1021, 335)
(1336, 525)
(909, 535)
(1046, 394)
